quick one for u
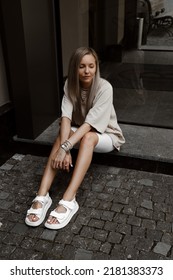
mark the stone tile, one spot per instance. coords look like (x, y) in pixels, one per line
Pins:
(68, 253)
(147, 204)
(96, 223)
(64, 236)
(164, 226)
(134, 221)
(144, 244)
(18, 157)
(6, 167)
(144, 213)
(118, 253)
(167, 238)
(100, 234)
(124, 228)
(146, 182)
(57, 250)
(107, 215)
(115, 237)
(28, 243)
(21, 254)
(43, 246)
(162, 248)
(93, 245)
(6, 251)
(82, 254)
(4, 195)
(20, 229)
(12, 239)
(146, 223)
(87, 232)
(129, 209)
(106, 248)
(6, 205)
(48, 235)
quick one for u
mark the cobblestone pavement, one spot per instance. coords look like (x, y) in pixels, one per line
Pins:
(123, 214)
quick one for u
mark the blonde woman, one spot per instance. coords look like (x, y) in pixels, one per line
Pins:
(88, 120)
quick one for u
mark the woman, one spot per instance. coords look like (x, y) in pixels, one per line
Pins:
(89, 120)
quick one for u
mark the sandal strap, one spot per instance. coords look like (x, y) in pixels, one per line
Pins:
(59, 215)
(67, 204)
(40, 198)
(36, 212)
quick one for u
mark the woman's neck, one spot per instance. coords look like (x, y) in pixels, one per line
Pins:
(84, 89)
(85, 86)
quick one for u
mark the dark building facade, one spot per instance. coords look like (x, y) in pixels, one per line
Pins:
(37, 38)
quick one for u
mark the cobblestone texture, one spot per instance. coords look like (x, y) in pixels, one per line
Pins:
(123, 214)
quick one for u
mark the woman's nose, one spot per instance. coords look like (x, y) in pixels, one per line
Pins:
(86, 69)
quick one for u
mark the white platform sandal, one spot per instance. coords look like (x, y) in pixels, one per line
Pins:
(63, 218)
(46, 202)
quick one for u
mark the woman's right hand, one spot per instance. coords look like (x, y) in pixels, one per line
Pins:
(58, 158)
(62, 160)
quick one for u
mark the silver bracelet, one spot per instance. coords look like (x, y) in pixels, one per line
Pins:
(66, 146)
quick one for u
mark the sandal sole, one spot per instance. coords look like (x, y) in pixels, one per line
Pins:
(40, 221)
(58, 225)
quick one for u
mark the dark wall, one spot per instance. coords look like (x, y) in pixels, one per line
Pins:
(29, 36)
(131, 28)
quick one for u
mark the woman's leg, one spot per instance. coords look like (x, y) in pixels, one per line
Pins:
(47, 179)
(83, 162)
(85, 154)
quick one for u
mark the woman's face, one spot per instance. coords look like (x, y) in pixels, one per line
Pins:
(87, 70)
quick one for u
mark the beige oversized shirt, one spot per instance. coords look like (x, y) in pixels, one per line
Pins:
(101, 116)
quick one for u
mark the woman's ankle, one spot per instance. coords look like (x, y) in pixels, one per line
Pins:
(68, 198)
(41, 193)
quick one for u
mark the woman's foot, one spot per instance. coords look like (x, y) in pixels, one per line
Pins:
(62, 215)
(37, 213)
(59, 209)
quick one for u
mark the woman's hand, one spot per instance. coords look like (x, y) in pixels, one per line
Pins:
(67, 162)
(57, 159)
(62, 160)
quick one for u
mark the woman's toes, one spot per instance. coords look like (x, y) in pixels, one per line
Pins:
(33, 218)
(52, 220)
(49, 220)
(59, 209)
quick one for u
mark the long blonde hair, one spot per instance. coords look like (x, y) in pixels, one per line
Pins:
(73, 85)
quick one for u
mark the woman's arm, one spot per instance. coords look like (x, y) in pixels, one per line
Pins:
(62, 159)
(65, 129)
(79, 133)
(76, 136)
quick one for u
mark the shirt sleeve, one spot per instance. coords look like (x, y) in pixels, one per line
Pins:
(99, 115)
(66, 105)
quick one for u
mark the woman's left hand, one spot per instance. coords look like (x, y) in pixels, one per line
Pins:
(62, 160)
(67, 162)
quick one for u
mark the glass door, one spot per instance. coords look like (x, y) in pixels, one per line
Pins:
(155, 24)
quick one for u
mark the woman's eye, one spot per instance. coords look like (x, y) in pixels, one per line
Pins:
(83, 66)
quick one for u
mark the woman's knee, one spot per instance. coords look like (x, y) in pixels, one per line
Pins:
(90, 139)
